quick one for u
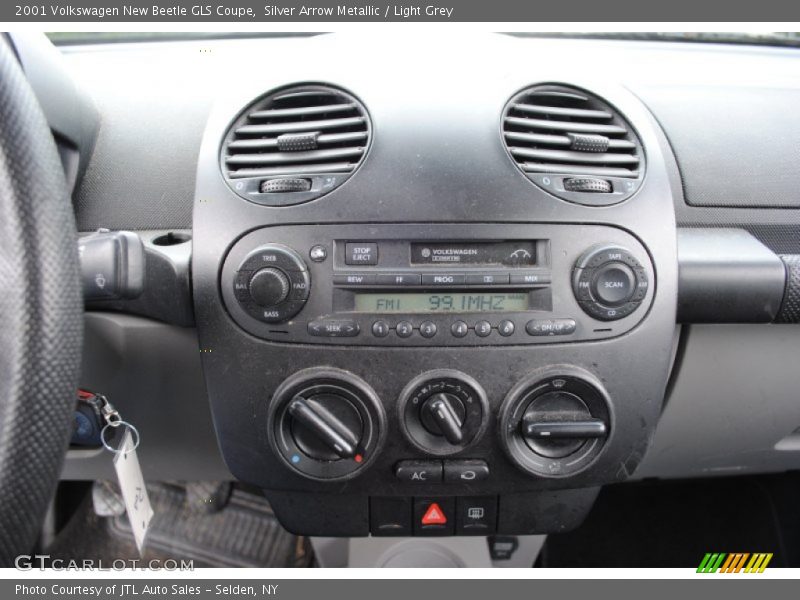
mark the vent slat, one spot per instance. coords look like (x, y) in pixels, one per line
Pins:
(293, 170)
(563, 131)
(569, 156)
(562, 140)
(557, 94)
(602, 128)
(294, 127)
(580, 113)
(577, 170)
(279, 158)
(538, 138)
(325, 138)
(300, 111)
(305, 131)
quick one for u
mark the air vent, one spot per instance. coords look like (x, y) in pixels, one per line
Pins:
(295, 145)
(573, 144)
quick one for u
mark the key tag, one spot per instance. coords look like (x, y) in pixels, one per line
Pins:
(129, 473)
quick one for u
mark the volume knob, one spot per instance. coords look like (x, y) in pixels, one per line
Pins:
(269, 287)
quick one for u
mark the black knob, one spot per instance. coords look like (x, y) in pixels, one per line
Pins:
(326, 424)
(269, 287)
(557, 424)
(614, 283)
(443, 411)
(341, 435)
(440, 414)
(588, 185)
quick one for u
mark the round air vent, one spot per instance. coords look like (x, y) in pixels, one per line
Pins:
(573, 145)
(295, 145)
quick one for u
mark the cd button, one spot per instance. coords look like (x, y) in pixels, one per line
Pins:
(400, 279)
(529, 278)
(361, 254)
(353, 279)
(443, 279)
(487, 278)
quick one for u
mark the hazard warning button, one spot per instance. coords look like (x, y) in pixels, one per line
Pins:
(434, 516)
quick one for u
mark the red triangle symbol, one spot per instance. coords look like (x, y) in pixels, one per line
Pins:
(434, 515)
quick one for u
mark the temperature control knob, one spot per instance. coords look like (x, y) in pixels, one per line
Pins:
(442, 412)
(326, 424)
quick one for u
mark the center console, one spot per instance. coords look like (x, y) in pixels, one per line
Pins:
(437, 343)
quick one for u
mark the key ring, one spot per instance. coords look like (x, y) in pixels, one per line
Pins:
(115, 424)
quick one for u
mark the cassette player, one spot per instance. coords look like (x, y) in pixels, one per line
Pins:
(411, 285)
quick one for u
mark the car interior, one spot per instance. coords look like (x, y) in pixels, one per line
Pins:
(392, 300)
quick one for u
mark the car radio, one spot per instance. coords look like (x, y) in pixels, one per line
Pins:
(423, 285)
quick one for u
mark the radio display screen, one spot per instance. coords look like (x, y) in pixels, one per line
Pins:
(456, 302)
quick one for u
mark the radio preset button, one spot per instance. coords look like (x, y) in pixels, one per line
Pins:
(404, 329)
(399, 279)
(380, 329)
(538, 327)
(427, 329)
(459, 329)
(529, 278)
(361, 253)
(505, 328)
(333, 328)
(483, 328)
(487, 278)
(443, 279)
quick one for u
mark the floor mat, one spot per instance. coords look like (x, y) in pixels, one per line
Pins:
(243, 534)
(675, 524)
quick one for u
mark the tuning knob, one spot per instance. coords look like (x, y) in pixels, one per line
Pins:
(442, 412)
(326, 424)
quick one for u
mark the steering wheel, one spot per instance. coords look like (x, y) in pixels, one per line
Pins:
(41, 312)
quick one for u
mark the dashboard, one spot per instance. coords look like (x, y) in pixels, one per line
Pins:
(455, 286)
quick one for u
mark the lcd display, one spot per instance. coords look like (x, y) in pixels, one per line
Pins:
(441, 303)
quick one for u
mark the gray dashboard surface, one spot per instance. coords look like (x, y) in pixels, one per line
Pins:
(734, 406)
(151, 373)
(154, 100)
(730, 102)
